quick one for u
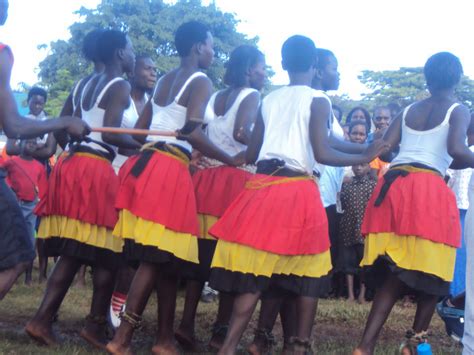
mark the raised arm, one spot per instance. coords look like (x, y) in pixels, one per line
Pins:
(17, 126)
(323, 152)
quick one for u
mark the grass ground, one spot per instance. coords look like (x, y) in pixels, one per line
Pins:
(339, 325)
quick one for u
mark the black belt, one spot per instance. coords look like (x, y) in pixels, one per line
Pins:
(393, 174)
(146, 154)
(76, 147)
(276, 167)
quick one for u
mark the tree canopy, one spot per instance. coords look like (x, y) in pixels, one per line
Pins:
(151, 25)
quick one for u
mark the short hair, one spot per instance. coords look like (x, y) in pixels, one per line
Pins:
(188, 34)
(89, 45)
(35, 90)
(110, 41)
(241, 60)
(322, 56)
(298, 54)
(358, 123)
(442, 71)
(380, 108)
(366, 113)
(394, 107)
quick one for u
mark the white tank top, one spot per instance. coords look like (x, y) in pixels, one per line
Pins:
(286, 113)
(130, 115)
(95, 116)
(220, 129)
(426, 147)
(171, 117)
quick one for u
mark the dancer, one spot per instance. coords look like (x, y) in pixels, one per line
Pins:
(158, 217)
(16, 249)
(78, 213)
(410, 243)
(235, 110)
(263, 245)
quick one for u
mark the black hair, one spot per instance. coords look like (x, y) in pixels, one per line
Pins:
(382, 108)
(89, 45)
(110, 41)
(188, 34)
(442, 71)
(35, 90)
(358, 123)
(338, 109)
(323, 56)
(298, 54)
(394, 108)
(241, 60)
(366, 113)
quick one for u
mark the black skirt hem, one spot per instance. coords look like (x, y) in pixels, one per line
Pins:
(237, 282)
(376, 274)
(202, 271)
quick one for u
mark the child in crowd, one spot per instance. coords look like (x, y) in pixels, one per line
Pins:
(25, 176)
(382, 118)
(354, 197)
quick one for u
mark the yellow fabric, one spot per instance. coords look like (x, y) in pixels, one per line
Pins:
(206, 221)
(247, 260)
(264, 182)
(90, 155)
(90, 234)
(414, 169)
(176, 153)
(411, 253)
(182, 245)
(380, 166)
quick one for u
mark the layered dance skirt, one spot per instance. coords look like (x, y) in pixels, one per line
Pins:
(413, 232)
(78, 213)
(273, 236)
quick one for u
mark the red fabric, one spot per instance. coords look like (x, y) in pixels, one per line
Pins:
(82, 188)
(163, 193)
(419, 204)
(216, 188)
(27, 178)
(286, 219)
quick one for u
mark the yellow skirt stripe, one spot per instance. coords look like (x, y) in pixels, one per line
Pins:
(244, 259)
(182, 245)
(92, 156)
(411, 253)
(90, 234)
(206, 221)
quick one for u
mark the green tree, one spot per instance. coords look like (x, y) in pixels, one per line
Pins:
(405, 86)
(151, 25)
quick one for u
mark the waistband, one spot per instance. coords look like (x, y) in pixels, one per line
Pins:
(401, 170)
(108, 153)
(276, 167)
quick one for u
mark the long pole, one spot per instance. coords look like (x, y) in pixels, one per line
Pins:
(145, 132)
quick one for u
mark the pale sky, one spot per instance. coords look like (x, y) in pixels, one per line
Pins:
(364, 34)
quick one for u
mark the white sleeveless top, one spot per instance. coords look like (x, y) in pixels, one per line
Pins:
(171, 117)
(426, 147)
(220, 129)
(95, 116)
(130, 115)
(286, 113)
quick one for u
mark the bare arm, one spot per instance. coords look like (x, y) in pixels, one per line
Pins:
(256, 140)
(345, 146)
(392, 136)
(118, 100)
(458, 128)
(48, 150)
(144, 121)
(323, 152)
(245, 119)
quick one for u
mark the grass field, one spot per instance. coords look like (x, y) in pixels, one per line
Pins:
(338, 327)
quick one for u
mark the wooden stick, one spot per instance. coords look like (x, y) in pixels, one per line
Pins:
(145, 132)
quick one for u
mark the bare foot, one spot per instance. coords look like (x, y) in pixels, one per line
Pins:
(358, 351)
(40, 333)
(186, 340)
(253, 349)
(361, 300)
(93, 338)
(117, 349)
(165, 349)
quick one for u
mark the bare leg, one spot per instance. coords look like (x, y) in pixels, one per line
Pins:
(244, 306)
(96, 322)
(384, 300)
(142, 285)
(219, 332)
(185, 333)
(40, 326)
(362, 293)
(166, 309)
(263, 339)
(424, 312)
(81, 277)
(306, 312)
(288, 316)
(350, 287)
(9, 276)
(42, 260)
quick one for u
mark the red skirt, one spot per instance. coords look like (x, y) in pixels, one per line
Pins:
(216, 188)
(279, 215)
(81, 187)
(163, 193)
(419, 204)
